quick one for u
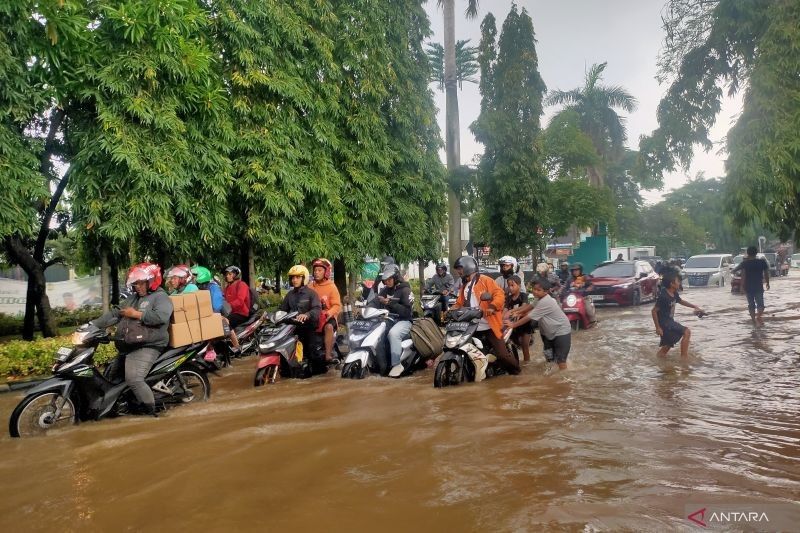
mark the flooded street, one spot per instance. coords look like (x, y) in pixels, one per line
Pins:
(621, 440)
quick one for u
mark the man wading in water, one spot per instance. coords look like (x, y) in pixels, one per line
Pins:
(754, 270)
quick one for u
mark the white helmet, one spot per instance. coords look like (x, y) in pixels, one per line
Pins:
(542, 268)
(508, 260)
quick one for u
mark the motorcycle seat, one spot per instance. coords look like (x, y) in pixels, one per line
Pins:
(175, 351)
(241, 327)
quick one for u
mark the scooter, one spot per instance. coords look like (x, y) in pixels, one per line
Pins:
(574, 304)
(465, 358)
(432, 305)
(369, 350)
(247, 333)
(281, 354)
(78, 391)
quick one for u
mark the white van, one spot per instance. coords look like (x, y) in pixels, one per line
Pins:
(708, 269)
(795, 261)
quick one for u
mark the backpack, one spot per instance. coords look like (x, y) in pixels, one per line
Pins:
(427, 337)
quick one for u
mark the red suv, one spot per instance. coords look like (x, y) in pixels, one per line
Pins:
(623, 283)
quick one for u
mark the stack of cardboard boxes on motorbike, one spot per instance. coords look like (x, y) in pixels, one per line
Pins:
(193, 319)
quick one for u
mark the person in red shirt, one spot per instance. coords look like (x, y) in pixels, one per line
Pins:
(237, 294)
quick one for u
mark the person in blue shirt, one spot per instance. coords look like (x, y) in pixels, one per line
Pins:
(205, 281)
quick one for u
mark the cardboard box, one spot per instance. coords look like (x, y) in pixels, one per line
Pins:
(211, 326)
(204, 303)
(178, 316)
(190, 307)
(179, 335)
(194, 329)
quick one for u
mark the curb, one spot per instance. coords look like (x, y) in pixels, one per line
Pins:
(18, 386)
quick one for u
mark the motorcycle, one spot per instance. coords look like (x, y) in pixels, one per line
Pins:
(575, 306)
(432, 305)
(281, 354)
(369, 350)
(465, 358)
(78, 391)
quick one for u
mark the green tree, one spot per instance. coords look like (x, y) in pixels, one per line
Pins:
(671, 231)
(735, 45)
(466, 63)
(595, 104)
(511, 177)
(452, 128)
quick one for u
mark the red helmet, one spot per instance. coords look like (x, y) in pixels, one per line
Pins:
(145, 272)
(181, 272)
(324, 263)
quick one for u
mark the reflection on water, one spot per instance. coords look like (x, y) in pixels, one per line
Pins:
(622, 440)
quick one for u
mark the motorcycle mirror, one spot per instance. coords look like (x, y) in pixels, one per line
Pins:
(486, 297)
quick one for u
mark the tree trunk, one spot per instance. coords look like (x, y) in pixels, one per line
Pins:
(37, 303)
(105, 279)
(113, 266)
(251, 266)
(351, 286)
(452, 133)
(277, 278)
(340, 275)
(245, 251)
(421, 267)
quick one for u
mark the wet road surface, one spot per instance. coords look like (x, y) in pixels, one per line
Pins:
(620, 441)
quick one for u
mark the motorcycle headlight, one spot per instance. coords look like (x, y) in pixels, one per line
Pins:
(623, 286)
(572, 300)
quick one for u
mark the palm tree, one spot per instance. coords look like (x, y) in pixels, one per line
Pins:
(452, 139)
(466, 63)
(595, 104)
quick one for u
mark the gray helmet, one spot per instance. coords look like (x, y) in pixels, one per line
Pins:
(387, 260)
(442, 265)
(390, 271)
(468, 265)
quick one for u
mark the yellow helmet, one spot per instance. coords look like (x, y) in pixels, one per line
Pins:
(299, 270)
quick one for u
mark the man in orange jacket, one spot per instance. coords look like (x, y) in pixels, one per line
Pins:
(331, 302)
(473, 287)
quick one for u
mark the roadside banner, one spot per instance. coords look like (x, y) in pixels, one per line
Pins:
(68, 294)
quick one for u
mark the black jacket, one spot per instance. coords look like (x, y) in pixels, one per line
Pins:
(402, 306)
(304, 301)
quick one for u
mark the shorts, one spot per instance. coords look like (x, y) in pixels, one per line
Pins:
(673, 333)
(324, 319)
(557, 349)
(524, 329)
(755, 299)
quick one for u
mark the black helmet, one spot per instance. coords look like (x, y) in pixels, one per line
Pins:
(578, 266)
(387, 260)
(442, 265)
(467, 264)
(390, 271)
(237, 272)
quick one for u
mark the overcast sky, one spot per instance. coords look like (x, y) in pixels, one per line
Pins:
(572, 35)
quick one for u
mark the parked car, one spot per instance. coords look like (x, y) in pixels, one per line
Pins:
(772, 260)
(652, 259)
(795, 261)
(623, 283)
(708, 269)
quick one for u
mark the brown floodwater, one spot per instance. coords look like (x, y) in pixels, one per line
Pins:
(620, 441)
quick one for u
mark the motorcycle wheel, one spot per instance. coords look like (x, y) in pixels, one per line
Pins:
(447, 373)
(354, 370)
(198, 387)
(576, 325)
(34, 415)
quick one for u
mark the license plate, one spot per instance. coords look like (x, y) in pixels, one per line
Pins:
(361, 324)
(457, 326)
(63, 353)
(596, 297)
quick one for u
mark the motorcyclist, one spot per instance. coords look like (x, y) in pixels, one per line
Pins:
(543, 273)
(442, 284)
(378, 284)
(206, 282)
(563, 273)
(578, 280)
(330, 300)
(490, 329)
(237, 294)
(179, 280)
(508, 267)
(396, 297)
(146, 312)
(305, 302)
